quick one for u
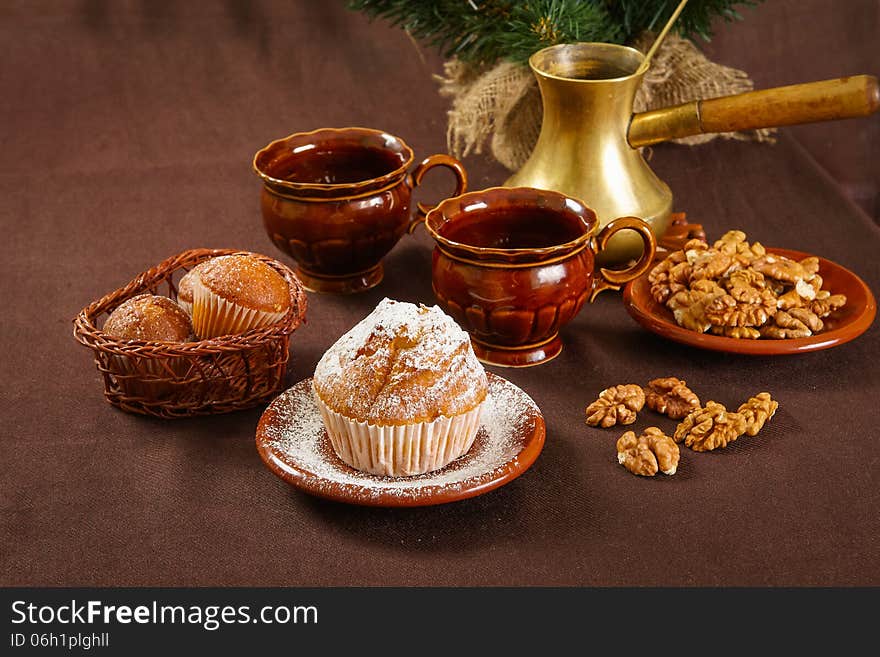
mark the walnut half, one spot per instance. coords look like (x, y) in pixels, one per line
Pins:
(785, 326)
(710, 428)
(651, 451)
(671, 397)
(757, 411)
(826, 303)
(617, 405)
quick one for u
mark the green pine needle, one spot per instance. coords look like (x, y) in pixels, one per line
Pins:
(484, 31)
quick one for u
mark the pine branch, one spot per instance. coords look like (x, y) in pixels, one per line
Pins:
(530, 26)
(484, 31)
(696, 19)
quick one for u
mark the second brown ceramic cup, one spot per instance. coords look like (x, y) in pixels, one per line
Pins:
(513, 265)
(337, 200)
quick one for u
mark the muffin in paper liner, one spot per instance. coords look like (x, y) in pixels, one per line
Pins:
(401, 450)
(212, 315)
(151, 318)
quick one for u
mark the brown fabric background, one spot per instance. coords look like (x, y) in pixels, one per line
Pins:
(127, 131)
(785, 42)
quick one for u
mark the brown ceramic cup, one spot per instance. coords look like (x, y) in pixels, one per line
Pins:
(337, 200)
(513, 265)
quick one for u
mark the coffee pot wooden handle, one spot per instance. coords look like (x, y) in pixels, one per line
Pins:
(842, 98)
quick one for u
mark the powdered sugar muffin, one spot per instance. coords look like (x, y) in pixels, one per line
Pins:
(401, 393)
(235, 293)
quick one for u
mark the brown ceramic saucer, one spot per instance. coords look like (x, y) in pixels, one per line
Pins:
(842, 326)
(293, 444)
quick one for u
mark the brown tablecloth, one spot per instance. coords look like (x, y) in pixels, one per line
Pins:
(127, 135)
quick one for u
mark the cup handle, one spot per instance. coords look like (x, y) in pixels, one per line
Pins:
(612, 279)
(439, 160)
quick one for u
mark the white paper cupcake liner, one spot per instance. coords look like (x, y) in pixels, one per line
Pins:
(400, 450)
(212, 315)
(186, 305)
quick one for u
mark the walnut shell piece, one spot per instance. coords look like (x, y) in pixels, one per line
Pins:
(711, 427)
(650, 452)
(616, 405)
(670, 396)
(757, 411)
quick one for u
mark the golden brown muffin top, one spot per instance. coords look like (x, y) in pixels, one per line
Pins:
(401, 364)
(246, 281)
(149, 317)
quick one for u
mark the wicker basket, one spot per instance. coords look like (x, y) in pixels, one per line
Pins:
(172, 380)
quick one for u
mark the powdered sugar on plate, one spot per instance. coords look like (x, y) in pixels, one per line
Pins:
(292, 435)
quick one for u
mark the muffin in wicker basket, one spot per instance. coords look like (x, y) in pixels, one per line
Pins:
(148, 317)
(178, 379)
(234, 293)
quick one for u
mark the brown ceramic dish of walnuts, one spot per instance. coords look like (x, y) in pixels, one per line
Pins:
(739, 290)
(737, 296)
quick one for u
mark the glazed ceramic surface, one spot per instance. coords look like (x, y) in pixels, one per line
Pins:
(338, 200)
(293, 444)
(840, 327)
(513, 265)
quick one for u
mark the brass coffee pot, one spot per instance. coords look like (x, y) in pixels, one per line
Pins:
(589, 141)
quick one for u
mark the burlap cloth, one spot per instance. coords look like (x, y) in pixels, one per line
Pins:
(503, 100)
